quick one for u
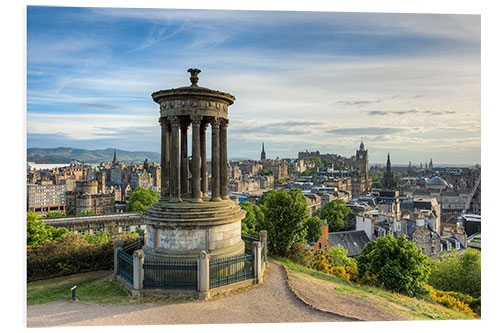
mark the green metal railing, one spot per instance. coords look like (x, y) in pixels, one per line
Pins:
(125, 266)
(130, 248)
(170, 274)
(224, 271)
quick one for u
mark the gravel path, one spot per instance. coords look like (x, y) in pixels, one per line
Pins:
(271, 302)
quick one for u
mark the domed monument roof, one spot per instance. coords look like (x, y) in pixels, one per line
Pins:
(436, 181)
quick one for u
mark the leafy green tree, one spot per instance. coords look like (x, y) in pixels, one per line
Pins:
(99, 238)
(54, 214)
(265, 172)
(460, 272)
(141, 199)
(335, 212)
(337, 256)
(313, 228)
(395, 264)
(86, 212)
(37, 232)
(284, 218)
(250, 225)
(318, 162)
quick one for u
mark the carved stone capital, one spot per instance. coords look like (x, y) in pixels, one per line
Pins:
(216, 121)
(174, 120)
(164, 121)
(196, 120)
(224, 123)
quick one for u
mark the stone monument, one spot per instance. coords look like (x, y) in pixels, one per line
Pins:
(186, 220)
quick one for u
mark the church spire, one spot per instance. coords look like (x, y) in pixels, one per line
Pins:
(263, 153)
(115, 160)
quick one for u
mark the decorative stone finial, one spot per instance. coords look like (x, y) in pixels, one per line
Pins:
(194, 76)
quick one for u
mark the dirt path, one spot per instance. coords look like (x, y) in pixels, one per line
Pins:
(270, 302)
(323, 296)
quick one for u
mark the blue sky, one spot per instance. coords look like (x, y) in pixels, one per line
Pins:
(409, 84)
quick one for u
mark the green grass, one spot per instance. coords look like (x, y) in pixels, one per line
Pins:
(92, 287)
(413, 308)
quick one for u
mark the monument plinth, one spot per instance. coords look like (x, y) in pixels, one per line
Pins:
(186, 220)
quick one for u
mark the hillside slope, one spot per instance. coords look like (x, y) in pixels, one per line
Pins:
(329, 293)
(68, 155)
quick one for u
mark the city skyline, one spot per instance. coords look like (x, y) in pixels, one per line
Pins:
(409, 84)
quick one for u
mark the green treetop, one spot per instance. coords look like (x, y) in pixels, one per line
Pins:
(335, 212)
(141, 199)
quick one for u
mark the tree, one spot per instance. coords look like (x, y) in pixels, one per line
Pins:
(317, 162)
(335, 213)
(86, 212)
(265, 172)
(37, 232)
(284, 218)
(313, 228)
(460, 272)
(141, 199)
(54, 214)
(395, 264)
(250, 225)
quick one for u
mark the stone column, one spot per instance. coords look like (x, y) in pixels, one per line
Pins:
(184, 158)
(263, 240)
(203, 275)
(257, 262)
(165, 153)
(203, 155)
(223, 159)
(196, 158)
(174, 160)
(215, 160)
(117, 245)
(138, 258)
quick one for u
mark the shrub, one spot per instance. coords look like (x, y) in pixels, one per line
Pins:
(460, 272)
(70, 255)
(335, 262)
(301, 255)
(395, 264)
(451, 300)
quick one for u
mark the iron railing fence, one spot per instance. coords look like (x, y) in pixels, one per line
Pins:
(224, 271)
(125, 266)
(170, 274)
(130, 248)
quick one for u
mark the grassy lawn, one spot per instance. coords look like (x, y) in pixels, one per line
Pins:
(413, 307)
(92, 287)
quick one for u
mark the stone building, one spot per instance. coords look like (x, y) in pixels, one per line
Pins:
(388, 181)
(86, 196)
(360, 177)
(44, 198)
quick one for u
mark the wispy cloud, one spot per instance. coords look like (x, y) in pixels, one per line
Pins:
(412, 112)
(101, 106)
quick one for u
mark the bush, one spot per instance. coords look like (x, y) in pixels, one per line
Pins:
(395, 264)
(37, 232)
(451, 300)
(70, 255)
(301, 255)
(460, 272)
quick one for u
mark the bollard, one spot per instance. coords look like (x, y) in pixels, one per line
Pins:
(73, 293)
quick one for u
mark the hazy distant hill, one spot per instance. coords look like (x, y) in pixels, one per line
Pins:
(68, 155)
